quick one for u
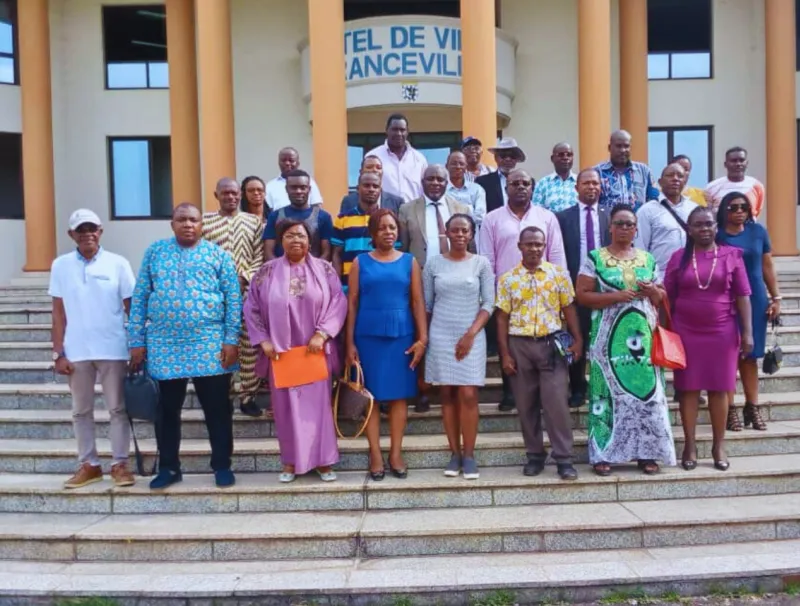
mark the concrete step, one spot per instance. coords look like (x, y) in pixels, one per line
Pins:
(257, 536)
(26, 352)
(55, 424)
(424, 488)
(420, 451)
(25, 314)
(521, 578)
(28, 333)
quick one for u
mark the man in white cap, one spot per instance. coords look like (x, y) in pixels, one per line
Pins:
(507, 155)
(91, 290)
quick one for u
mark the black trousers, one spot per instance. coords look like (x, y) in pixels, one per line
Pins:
(577, 371)
(214, 396)
(491, 346)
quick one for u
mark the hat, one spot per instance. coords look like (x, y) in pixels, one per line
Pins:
(81, 216)
(509, 144)
(470, 141)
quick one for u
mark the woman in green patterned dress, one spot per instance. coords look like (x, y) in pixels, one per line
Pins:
(628, 416)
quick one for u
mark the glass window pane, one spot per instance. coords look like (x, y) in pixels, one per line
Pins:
(6, 38)
(354, 156)
(657, 151)
(691, 65)
(127, 75)
(695, 144)
(131, 173)
(658, 67)
(436, 155)
(159, 75)
(7, 70)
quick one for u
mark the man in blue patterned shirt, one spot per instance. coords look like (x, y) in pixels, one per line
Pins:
(556, 191)
(621, 179)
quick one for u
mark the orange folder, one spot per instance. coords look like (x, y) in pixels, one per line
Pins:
(298, 367)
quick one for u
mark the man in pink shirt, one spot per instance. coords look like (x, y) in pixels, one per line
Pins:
(499, 240)
(402, 164)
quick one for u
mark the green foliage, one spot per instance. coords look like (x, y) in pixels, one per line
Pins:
(497, 598)
(623, 596)
(93, 601)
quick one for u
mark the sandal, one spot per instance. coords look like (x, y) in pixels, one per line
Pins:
(602, 469)
(734, 422)
(649, 467)
(752, 416)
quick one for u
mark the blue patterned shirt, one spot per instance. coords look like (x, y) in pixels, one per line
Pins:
(634, 186)
(556, 194)
(185, 306)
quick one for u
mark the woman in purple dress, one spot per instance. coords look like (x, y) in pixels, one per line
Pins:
(297, 300)
(709, 292)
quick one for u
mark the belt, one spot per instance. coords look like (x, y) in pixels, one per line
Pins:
(535, 339)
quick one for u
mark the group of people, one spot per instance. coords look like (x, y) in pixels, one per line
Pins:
(425, 272)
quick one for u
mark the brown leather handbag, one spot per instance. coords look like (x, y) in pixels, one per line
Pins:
(352, 402)
(667, 350)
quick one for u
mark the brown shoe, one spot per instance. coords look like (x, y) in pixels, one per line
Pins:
(121, 475)
(86, 474)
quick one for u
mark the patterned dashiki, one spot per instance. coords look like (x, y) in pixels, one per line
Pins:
(635, 185)
(240, 236)
(534, 299)
(185, 306)
(556, 194)
(628, 413)
(749, 186)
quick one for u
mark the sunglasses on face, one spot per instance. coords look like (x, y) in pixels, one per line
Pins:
(737, 207)
(624, 224)
(87, 228)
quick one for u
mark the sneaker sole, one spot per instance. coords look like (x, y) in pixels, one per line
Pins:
(471, 476)
(124, 483)
(452, 474)
(82, 484)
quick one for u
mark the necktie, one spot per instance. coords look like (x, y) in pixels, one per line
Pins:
(443, 243)
(590, 244)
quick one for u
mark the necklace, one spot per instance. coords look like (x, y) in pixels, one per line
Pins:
(710, 275)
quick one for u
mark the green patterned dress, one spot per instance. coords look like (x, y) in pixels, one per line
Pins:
(628, 413)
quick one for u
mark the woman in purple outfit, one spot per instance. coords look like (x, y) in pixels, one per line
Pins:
(297, 300)
(709, 292)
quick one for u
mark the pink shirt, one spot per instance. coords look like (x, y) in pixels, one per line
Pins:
(401, 176)
(500, 237)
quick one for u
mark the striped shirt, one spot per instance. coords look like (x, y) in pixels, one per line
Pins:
(351, 234)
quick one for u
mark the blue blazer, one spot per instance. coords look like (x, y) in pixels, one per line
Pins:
(390, 201)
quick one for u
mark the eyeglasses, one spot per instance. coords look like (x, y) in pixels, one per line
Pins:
(737, 207)
(624, 224)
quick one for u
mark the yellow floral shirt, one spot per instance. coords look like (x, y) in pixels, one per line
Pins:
(534, 300)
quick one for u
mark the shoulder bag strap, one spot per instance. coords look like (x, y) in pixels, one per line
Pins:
(675, 216)
(667, 314)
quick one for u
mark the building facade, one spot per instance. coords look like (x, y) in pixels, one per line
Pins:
(128, 108)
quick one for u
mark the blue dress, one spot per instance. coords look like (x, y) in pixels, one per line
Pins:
(754, 242)
(385, 328)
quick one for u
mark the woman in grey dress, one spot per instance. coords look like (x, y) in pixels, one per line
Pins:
(459, 296)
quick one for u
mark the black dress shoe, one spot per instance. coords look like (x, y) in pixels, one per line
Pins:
(567, 472)
(251, 409)
(533, 467)
(423, 404)
(507, 404)
(577, 400)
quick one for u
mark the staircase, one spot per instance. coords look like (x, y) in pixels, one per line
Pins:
(424, 540)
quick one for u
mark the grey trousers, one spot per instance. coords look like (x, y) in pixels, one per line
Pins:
(541, 385)
(81, 383)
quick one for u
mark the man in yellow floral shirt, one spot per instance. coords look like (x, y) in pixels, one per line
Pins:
(532, 298)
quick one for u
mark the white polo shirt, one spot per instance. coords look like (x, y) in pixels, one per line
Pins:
(278, 197)
(92, 292)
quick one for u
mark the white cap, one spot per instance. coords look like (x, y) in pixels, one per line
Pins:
(81, 216)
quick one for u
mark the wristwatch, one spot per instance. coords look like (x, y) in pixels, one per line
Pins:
(57, 355)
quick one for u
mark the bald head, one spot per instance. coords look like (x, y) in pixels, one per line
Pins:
(434, 181)
(519, 186)
(288, 160)
(619, 148)
(562, 158)
(228, 194)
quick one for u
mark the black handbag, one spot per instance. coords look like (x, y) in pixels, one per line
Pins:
(141, 403)
(773, 358)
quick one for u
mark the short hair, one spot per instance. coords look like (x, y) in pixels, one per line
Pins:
(367, 157)
(362, 174)
(735, 149)
(679, 157)
(621, 207)
(183, 205)
(584, 171)
(297, 172)
(532, 229)
(394, 117)
(375, 221)
(468, 218)
(283, 226)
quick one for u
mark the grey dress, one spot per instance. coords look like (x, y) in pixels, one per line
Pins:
(455, 291)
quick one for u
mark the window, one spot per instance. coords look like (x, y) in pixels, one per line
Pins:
(692, 141)
(140, 177)
(679, 39)
(135, 44)
(9, 72)
(11, 197)
(362, 9)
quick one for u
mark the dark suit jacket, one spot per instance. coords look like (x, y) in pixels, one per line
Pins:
(388, 200)
(570, 223)
(494, 192)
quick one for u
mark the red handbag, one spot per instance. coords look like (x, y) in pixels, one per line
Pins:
(667, 350)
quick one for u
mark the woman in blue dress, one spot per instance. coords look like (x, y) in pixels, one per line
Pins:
(737, 227)
(387, 332)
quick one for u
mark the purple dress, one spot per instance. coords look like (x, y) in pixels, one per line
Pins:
(707, 320)
(286, 304)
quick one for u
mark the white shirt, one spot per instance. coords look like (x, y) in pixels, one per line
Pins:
(596, 221)
(278, 197)
(92, 293)
(658, 231)
(401, 176)
(432, 225)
